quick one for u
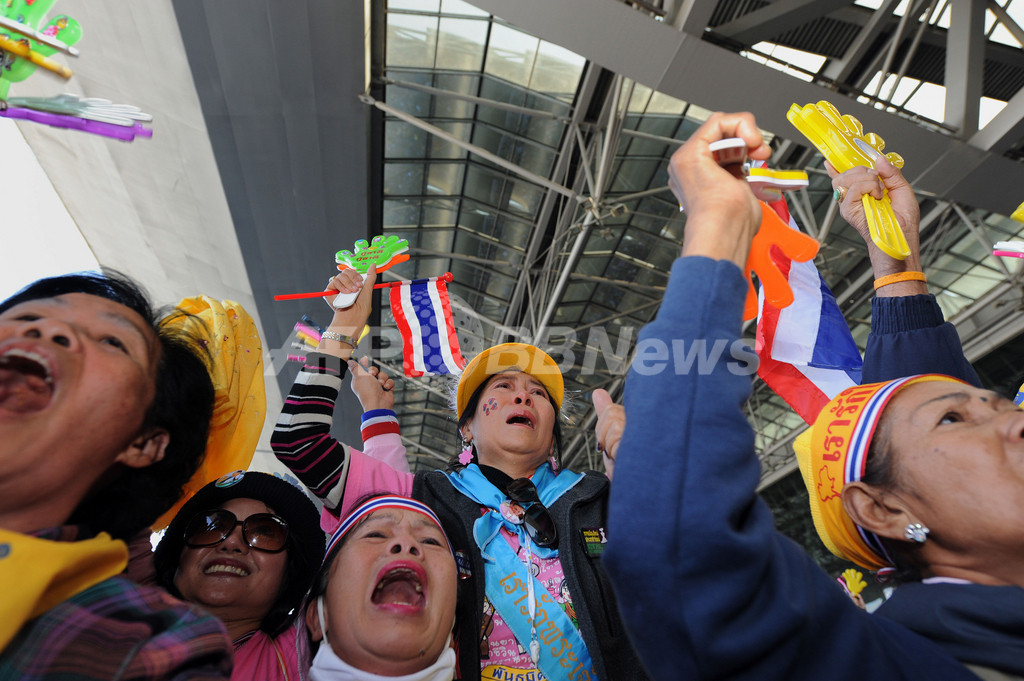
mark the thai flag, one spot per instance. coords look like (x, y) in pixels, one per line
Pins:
(424, 317)
(807, 352)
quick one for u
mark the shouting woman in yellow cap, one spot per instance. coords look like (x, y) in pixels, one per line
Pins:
(533, 596)
(925, 474)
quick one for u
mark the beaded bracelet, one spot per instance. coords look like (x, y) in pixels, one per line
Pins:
(896, 278)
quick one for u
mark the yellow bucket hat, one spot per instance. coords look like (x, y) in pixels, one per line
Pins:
(240, 399)
(526, 358)
(833, 453)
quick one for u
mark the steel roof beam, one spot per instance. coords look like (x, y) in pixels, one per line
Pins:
(691, 16)
(842, 69)
(965, 64)
(1005, 130)
(775, 19)
(618, 38)
(1006, 20)
(587, 90)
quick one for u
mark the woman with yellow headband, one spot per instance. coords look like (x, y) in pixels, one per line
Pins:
(924, 473)
(534, 597)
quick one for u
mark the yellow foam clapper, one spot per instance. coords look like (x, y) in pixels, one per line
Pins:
(1018, 214)
(854, 581)
(842, 141)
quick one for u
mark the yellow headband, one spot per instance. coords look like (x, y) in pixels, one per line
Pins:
(833, 453)
(240, 399)
(526, 358)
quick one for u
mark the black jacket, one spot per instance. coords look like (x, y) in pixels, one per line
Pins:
(583, 506)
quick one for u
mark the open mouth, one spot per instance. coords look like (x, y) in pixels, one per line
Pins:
(520, 419)
(26, 381)
(400, 586)
(222, 568)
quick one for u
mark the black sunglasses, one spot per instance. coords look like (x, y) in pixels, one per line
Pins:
(263, 531)
(539, 523)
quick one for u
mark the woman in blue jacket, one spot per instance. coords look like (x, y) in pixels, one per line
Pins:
(707, 586)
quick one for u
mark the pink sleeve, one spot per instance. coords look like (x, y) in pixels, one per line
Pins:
(388, 449)
(366, 475)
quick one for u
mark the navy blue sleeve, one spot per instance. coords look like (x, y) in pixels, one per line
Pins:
(706, 586)
(910, 336)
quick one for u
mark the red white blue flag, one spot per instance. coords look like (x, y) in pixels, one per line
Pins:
(807, 353)
(424, 317)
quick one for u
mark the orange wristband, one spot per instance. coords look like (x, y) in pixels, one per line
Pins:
(896, 278)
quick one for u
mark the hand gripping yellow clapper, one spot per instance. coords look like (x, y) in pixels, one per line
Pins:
(841, 140)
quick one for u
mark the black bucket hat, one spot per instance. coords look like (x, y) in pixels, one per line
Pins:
(305, 545)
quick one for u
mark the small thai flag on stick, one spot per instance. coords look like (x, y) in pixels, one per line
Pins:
(423, 314)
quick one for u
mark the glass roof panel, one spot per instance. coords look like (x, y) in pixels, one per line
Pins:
(440, 213)
(445, 178)
(636, 174)
(505, 257)
(638, 97)
(437, 240)
(403, 179)
(544, 130)
(661, 103)
(460, 43)
(978, 281)
(463, 83)
(416, 5)
(401, 212)
(440, 148)
(412, 39)
(402, 140)
(524, 153)
(500, 90)
(578, 291)
(557, 71)
(484, 185)
(951, 302)
(407, 99)
(459, 7)
(524, 198)
(511, 54)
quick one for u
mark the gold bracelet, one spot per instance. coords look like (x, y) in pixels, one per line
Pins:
(896, 278)
(341, 338)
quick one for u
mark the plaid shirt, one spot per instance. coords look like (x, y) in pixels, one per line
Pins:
(117, 630)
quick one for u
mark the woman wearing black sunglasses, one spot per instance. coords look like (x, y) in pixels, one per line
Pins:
(520, 524)
(246, 548)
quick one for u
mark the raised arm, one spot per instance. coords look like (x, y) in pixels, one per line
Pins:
(705, 584)
(381, 434)
(302, 438)
(908, 332)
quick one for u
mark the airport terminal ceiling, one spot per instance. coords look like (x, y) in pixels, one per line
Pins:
(523, 147)
(525, 152)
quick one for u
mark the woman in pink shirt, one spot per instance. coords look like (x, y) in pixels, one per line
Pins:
(528, 533)
(246, 548)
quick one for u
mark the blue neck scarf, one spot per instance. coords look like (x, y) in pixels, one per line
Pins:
(523, 602)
